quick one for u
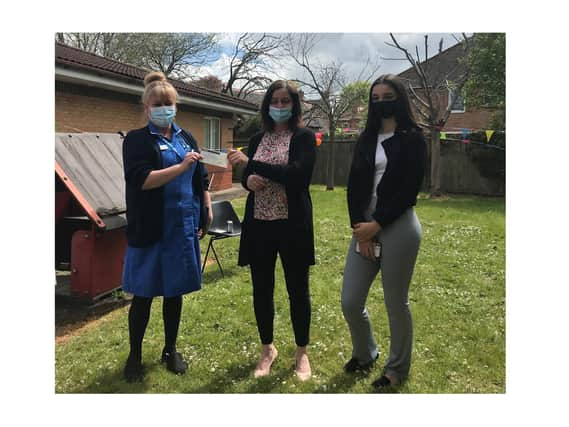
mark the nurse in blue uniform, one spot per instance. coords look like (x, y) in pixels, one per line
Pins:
(168, 211)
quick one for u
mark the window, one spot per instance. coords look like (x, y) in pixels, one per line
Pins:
(457, 102)
(212, 138)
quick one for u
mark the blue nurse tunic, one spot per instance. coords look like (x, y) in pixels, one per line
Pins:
(170, 267)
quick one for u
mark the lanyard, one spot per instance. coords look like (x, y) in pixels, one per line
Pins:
(185, 146)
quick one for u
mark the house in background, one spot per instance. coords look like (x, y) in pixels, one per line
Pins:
(349, 124)
(97, 94)
(462, 116)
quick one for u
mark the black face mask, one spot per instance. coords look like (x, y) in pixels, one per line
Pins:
(385, 109)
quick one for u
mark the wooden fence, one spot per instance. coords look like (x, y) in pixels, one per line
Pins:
(473, 168)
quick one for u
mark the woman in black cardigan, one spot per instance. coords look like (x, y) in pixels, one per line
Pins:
(278, 219)
(385, 177)
(166, 202)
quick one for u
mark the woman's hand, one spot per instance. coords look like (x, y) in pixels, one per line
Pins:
(365, 230)
(366, 249)
(202, 232)
(256, 182)
(159, 177)
(236, 157)
(191, 158)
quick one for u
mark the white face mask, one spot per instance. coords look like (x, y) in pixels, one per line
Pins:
(163, 116)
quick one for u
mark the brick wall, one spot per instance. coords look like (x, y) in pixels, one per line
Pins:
(470, 119)
(80, 109)
(86, 109)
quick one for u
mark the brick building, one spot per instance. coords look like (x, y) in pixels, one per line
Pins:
(447, 65)
(97, 94)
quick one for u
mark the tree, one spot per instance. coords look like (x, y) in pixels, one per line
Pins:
(486, 86)
(172, 53)
(253, 56)
(327, 84)
(175, 53)
(357, 95)
(249, 126)
(429, 97)
(104, 44)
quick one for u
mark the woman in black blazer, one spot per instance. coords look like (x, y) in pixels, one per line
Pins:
(385, 177)
(278, 218)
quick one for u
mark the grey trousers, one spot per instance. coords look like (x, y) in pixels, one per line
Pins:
(400, 245)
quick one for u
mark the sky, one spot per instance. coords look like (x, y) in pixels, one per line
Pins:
(349, 48)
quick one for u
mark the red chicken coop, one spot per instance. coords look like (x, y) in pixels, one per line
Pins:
(90, 212)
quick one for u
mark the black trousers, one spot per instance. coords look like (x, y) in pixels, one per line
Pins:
(272, 238)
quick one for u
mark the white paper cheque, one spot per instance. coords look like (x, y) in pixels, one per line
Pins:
(215, 158)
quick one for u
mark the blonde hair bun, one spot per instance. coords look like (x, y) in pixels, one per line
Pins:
(156, 85)
(154, 76)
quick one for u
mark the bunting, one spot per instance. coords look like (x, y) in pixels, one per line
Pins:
(465, 132)
(451, 128)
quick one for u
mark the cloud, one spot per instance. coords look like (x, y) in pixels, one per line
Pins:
(219, 68)
(351, 49)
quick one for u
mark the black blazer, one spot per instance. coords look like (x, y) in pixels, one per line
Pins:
(397, 191)
(295, 176)
(145, 208)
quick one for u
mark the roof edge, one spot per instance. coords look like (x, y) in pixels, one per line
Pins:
(65, 74)
(89, 70)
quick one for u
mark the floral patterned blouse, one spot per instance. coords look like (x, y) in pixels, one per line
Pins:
(271, 202)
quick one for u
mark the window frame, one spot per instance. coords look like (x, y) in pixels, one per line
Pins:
(208, 121)
(453, 109)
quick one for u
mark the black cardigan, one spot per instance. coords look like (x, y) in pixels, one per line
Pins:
(295, 176)
(145, 208)
(397, 191)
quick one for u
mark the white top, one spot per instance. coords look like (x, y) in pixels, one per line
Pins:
(380, 165)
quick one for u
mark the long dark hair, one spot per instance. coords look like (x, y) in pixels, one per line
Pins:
(403, 113)
(294, 121)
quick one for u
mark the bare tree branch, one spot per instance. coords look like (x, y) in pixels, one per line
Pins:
(171, 53)
(327, 82)
(418, 70)
(435, 88)
(417, 97)
(254, 55)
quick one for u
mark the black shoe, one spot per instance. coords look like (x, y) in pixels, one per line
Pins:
(174, 362)
(383, 385)
(354, 365)
(133, 370)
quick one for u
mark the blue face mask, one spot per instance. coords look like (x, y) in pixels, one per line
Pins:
(163, 116)
(280, 115)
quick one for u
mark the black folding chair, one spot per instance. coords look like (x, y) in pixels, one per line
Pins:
(220, 228)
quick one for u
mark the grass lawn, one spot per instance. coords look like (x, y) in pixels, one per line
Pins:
(457, 300)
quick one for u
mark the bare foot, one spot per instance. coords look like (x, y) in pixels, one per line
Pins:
(268, 356)
(302, 367)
